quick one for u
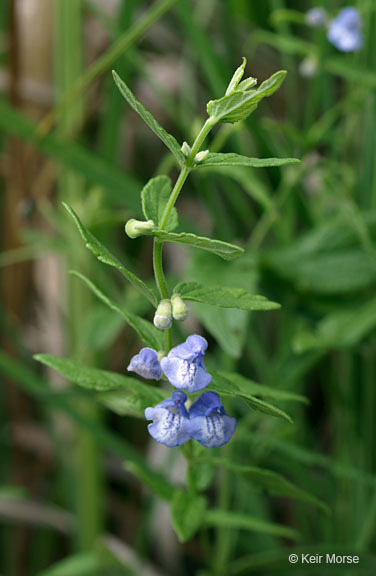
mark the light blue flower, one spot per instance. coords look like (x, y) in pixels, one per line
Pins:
(169, 418)
(316, 17)
(345, 31)
(184, 366)
(208, 421)
(146, 364)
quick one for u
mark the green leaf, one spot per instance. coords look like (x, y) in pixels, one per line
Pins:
(85, 564)
(237, 521)
(167, 139)
(239, 104)
(156, 483)
(247, 386)
(225, 386)
(230, 159)
(105, 256)
(147, 332)
(223, 249)
(269, 480)
(124, 395)
(223, 297)
(201, 475)
(187, 514)
(154, 198)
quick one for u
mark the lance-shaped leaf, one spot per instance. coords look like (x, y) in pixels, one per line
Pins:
(146, 330)
(223, 249)
(167, 139)
(154, 198)
(269, 480)
(240, 103)
(225, 386)
(105, 256)
(223, 296)
(247, 386)
(239, 521)
(216, 160)
(121, 394)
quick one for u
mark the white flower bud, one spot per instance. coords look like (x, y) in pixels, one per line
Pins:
(162, 316)
(179, 308)
(201, 156)
(135, 228)
(186, 149)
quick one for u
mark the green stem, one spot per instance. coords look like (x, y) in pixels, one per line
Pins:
(158, 270)
(174, 195)
(210, 122)
(158, 245)
(160, 281)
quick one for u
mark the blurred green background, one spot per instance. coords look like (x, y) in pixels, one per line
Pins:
(68, 503)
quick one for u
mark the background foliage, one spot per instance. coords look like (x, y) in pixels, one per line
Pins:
(84, 489)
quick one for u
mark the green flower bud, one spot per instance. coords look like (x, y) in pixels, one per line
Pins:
(179, 308)
(162, 316)
(135, 228)
(201, 156)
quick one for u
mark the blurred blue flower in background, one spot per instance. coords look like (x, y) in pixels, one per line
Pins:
(184, 366)
(169, 418)
(345, 31)
(146, 364)
(208, 421)
(316, 17)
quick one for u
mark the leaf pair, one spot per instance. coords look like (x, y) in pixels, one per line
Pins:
(127, 396)
(154, 197)
(234, 106)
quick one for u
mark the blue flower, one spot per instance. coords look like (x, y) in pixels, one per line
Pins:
(345, 31)
(184, 366)
(146, 364)
(208, 421)
(316, 17)
(170, 417)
